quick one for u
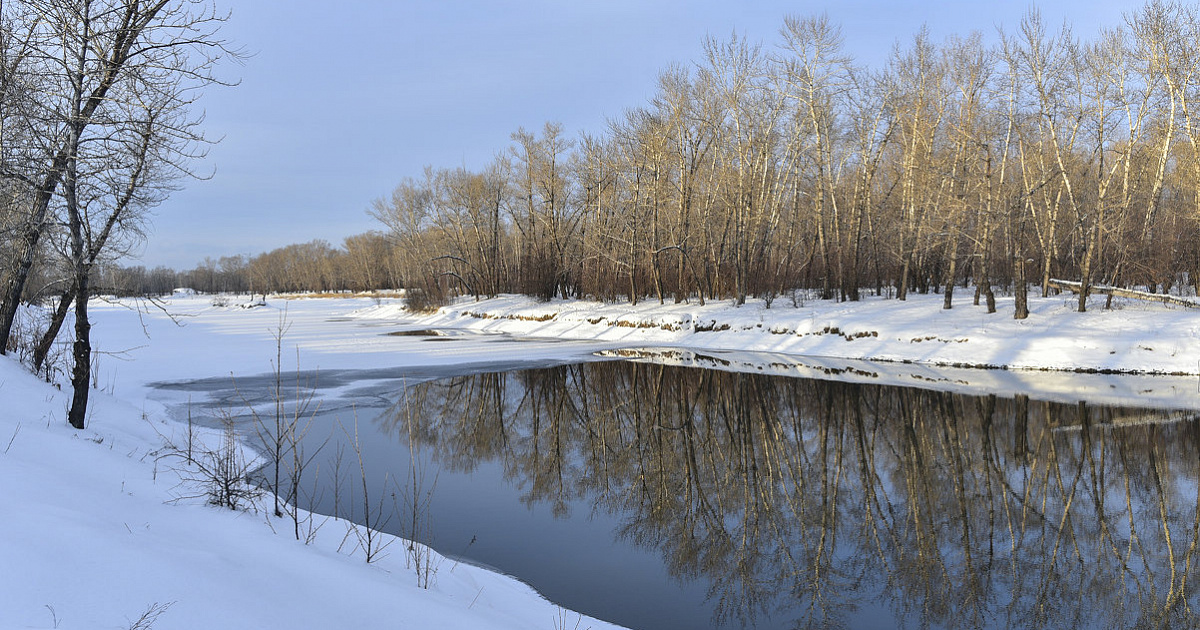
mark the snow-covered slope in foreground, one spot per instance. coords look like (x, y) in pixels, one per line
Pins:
(1137, 337)
(90, 538)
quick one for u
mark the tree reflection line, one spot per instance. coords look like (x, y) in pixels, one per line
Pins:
(816, 502)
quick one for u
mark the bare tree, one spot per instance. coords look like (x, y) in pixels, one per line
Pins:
(734, 78)
(1163, 48)
(1050, 64)
(110, 132)
(920, 100)
(93, 59)
(541, 209)
(968, 68)
(817, 77)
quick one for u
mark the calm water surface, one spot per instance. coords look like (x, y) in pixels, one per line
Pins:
(670, 497)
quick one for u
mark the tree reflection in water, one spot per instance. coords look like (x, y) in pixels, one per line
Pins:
(819, 503)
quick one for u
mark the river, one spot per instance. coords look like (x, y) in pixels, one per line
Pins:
(660, 495)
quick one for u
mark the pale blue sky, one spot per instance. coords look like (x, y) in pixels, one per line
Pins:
(338, 104)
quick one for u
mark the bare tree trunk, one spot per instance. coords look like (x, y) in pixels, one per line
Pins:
(655, 262)
(1020, 288)
(902, 292)
(82, 353)
(27, 249)
(56, 321)
(951, 269)
(1090, 241)
(82, 349)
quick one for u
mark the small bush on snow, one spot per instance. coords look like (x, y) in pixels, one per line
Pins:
(221, 475)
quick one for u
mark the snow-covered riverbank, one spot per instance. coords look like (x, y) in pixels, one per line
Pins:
(96, 536)
(1133, 337)
(93, 539)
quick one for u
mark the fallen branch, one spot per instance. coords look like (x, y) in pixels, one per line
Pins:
(1076, 287)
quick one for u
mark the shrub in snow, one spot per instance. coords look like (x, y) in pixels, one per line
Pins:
(221, 475)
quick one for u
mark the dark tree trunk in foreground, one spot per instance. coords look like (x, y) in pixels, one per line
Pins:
(82, 354)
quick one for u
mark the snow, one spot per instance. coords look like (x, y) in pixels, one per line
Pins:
(96, 534)
(99, 530)
(1136, 337)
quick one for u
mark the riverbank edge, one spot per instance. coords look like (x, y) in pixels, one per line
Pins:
(1134, 337)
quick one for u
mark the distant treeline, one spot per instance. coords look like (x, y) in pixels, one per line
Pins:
(363, 262)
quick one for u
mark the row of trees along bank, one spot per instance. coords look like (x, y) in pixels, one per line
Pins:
(999, 162)
(760, 169)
